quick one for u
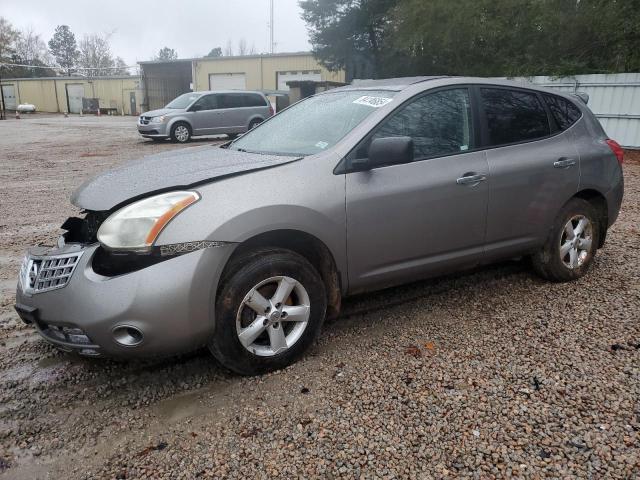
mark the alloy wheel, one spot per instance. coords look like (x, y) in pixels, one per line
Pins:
(181, 133)
(273, 316)
(576, 241)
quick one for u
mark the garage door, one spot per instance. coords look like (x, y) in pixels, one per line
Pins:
(9, 93)
(75, 92)
(284, 77)
(227, 81)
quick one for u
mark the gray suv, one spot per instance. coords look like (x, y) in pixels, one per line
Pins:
(206, 113)
(248, 247)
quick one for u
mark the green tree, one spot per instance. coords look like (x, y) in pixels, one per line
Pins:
(166, 53)
(214, 52)
(351, 34)
(64, 48)
(475, 37)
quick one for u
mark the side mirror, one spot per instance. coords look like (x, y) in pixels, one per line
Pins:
(386, 151)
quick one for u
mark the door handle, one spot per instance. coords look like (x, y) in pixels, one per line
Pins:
(471, 179)
(564, 163)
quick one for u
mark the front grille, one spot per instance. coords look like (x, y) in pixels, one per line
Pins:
(145, 120)
(43, 273)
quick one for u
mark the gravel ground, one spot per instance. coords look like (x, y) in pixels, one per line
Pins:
(491, 373)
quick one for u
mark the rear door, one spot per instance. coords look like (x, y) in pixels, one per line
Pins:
(232, 113)
(412, 220)
(534, 169)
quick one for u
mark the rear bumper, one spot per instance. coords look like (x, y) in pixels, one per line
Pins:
(614, 200)
(169, 302)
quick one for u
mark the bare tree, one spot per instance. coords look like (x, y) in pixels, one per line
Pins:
(31, 49)
(8, 36)
(228, 49)
(95, 55)
(242, 47)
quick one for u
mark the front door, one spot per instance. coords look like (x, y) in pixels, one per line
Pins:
(533, 173)
(206, 117)
(417, 219)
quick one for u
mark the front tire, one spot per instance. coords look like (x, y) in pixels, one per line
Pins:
(181, 132)
(572, 243)
(269, 310)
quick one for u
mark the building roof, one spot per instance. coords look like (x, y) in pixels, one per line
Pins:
(75, 78)
(231, 57)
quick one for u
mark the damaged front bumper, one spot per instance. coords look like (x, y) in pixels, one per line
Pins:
(167, 303)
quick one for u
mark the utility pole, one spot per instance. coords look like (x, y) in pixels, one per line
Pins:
(3, 111)
(271, 44)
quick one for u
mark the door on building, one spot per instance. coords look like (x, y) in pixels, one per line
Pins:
(9, 93)
(132, 103)
(75, 92)
(227, 81)
(284, 77)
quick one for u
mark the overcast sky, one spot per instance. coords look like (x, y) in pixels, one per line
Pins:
(140, 28)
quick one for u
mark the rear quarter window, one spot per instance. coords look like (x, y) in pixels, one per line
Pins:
(513, 116)
(564, 112)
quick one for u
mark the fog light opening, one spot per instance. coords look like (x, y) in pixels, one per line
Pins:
(127, 336)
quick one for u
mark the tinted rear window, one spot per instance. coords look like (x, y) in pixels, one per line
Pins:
(564, 112)
(230, 100)
(514, 116)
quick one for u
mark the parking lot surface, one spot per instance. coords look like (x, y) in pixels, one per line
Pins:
(485, 374)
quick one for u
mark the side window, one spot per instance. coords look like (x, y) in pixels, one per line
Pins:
(254, 100)
(514, 115)
(208, 102)
(564, 112)
(231, 100)
(439, 123)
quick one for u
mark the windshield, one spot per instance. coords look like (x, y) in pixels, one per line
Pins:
(184, 100)
(313, 125)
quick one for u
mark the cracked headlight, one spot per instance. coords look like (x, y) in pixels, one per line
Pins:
(136, 226)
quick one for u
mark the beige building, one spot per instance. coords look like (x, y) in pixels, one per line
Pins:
(162, 81)
(117, 95)
(165, 80)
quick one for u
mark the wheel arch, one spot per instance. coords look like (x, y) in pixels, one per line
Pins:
(599, 202)
(255, 117)
(306, 245)
(175, 121)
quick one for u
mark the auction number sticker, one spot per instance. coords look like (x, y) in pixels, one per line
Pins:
(375, 102)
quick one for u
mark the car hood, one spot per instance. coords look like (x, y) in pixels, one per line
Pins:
(162, 111)
(172, 170)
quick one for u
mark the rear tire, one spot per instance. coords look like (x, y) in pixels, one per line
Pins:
(181, 132)
(256, 331)
(572, 243)
(254, 123)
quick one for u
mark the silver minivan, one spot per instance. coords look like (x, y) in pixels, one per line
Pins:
(247, 247)
(206, 113)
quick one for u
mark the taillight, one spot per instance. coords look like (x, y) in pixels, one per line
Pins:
(271, 112)
(617, 150)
